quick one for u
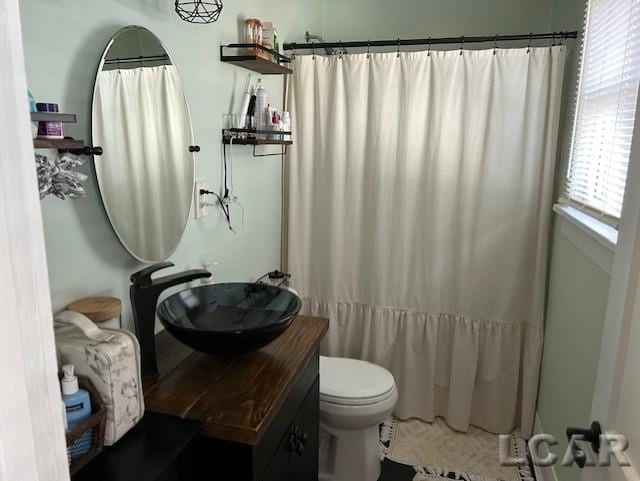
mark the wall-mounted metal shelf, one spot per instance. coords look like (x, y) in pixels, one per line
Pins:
(256, 57)
(237, 141)
(235, 136)
(53, 117)
(70, 145)
(256, 137)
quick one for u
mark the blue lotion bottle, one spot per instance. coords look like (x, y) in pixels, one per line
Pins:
(78, 407)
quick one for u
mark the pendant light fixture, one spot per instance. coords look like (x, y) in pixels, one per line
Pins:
(199, 11)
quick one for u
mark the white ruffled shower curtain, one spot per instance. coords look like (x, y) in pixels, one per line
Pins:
(419, 201)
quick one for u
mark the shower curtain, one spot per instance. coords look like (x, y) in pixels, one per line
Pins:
(419, 198)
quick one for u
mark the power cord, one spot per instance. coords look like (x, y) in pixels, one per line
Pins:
(227, 198)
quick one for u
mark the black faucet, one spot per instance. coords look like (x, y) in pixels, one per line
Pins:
(144, 293)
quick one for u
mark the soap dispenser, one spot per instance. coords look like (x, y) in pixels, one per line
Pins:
(77, 401)
(78, 408)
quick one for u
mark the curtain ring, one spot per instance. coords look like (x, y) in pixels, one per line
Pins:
(398, 50)
(429, 47)
(341, 49)
(313, 52)
(368, 48)
(462, 44)
(530, 40)
(553, 39)
(495, 44)
(562, 38)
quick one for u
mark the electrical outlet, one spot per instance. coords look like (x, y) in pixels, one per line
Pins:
(200, 200)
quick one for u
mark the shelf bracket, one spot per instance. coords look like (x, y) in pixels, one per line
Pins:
(86, 150)
(282, 153)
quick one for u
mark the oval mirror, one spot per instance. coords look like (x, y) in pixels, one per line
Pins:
(140, 118)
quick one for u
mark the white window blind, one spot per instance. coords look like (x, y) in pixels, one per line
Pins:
(606, 105)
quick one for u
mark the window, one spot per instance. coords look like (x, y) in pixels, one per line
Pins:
(606, 107)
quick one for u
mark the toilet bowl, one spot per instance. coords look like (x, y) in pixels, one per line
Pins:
(355, 397)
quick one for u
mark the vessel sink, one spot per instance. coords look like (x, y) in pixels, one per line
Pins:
(228, 318)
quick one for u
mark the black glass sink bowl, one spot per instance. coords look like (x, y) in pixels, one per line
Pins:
(228, 318)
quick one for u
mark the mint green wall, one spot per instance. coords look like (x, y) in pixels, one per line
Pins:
(577, 298)
(375, 19)
(63, 43)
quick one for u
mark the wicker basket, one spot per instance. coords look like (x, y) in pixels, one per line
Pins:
(85, 440)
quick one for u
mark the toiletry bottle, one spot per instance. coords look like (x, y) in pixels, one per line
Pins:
(276, 45)
(251, 112)
(275, 120)
(78, 408)
(76, 400)
(261, 111)
(244, 103)
(286, 124)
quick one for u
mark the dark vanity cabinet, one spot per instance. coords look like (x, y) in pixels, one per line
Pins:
(288, 451)
(246, 418)
(303, 443)
(259, 413)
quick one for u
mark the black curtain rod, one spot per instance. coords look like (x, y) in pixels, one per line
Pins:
(150, 58)
(431, 41)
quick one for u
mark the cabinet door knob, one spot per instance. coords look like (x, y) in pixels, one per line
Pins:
(297, 440)
(294, 443)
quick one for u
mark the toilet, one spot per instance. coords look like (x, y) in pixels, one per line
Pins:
(355, 397)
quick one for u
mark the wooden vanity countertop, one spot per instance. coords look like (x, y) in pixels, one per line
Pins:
(236, 397)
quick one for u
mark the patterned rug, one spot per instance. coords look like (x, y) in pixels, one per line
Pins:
(433, 450)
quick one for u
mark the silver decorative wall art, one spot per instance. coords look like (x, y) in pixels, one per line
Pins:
(59, 177)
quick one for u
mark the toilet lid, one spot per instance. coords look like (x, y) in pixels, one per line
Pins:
(350, 381)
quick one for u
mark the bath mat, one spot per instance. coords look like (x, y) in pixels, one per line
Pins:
(434, 451)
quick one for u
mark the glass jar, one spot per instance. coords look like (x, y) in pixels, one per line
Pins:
(249, 31)
(249, 35)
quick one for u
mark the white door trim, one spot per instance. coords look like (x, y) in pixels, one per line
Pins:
(624, 277)
(32, 445)
(620, 304)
